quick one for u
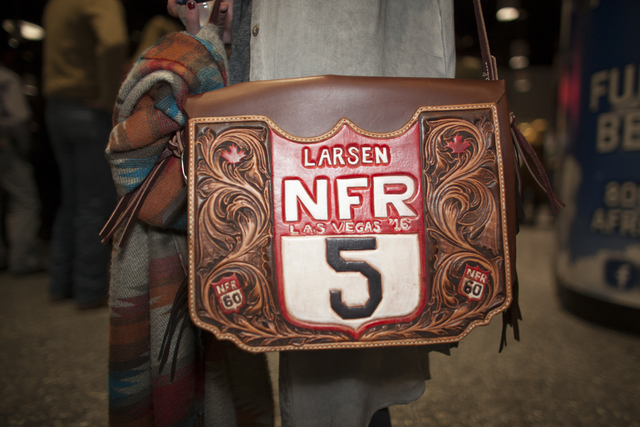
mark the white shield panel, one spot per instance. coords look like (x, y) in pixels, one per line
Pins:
(308, 279)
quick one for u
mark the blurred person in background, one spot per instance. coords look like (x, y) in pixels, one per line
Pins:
(157, 27)
(19, 248)
(154, 29)
(84, 54)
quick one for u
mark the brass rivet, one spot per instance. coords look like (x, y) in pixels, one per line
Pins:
(256, 30)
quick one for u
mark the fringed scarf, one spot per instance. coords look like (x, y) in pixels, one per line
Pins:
(148, 267)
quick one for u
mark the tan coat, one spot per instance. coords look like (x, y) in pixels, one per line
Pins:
(85, 50)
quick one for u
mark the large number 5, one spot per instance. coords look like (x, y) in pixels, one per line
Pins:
(334, 246)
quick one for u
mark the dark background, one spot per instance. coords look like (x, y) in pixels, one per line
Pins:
(539, 25)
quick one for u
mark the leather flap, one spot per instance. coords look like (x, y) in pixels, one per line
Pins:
(311, 106)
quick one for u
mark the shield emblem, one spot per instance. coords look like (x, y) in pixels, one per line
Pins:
(473, 283)
(229, 293)
(349, 243)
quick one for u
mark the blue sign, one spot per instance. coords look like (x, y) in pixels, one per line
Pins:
(600, 230)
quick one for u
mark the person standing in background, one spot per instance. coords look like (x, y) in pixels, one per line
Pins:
(16, 177)
(84, 54)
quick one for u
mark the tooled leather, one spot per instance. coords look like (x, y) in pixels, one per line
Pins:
(235, 237)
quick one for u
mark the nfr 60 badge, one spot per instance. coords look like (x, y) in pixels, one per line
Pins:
(229, 293)
(473, 283)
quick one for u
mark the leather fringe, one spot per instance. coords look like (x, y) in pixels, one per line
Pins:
(535, 167)
(528, 155)
(510, 317)
(129, 205)
(125, 213)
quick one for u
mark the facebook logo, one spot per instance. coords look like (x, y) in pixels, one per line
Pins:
(620, 274)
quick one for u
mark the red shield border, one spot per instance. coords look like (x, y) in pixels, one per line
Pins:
(288, 157)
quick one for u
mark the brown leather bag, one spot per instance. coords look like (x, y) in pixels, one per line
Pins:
(332, 211)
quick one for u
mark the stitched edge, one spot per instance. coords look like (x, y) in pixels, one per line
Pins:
(359, 344)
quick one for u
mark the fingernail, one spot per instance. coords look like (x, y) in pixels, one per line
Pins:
(191, 5)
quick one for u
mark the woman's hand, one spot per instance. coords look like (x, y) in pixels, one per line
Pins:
(192, 20)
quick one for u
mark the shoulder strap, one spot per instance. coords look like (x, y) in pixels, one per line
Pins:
(528, 155)
(490, 66)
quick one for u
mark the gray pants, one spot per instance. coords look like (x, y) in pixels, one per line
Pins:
(344, 388)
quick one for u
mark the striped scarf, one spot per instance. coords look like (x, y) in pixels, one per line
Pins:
(149, 267)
